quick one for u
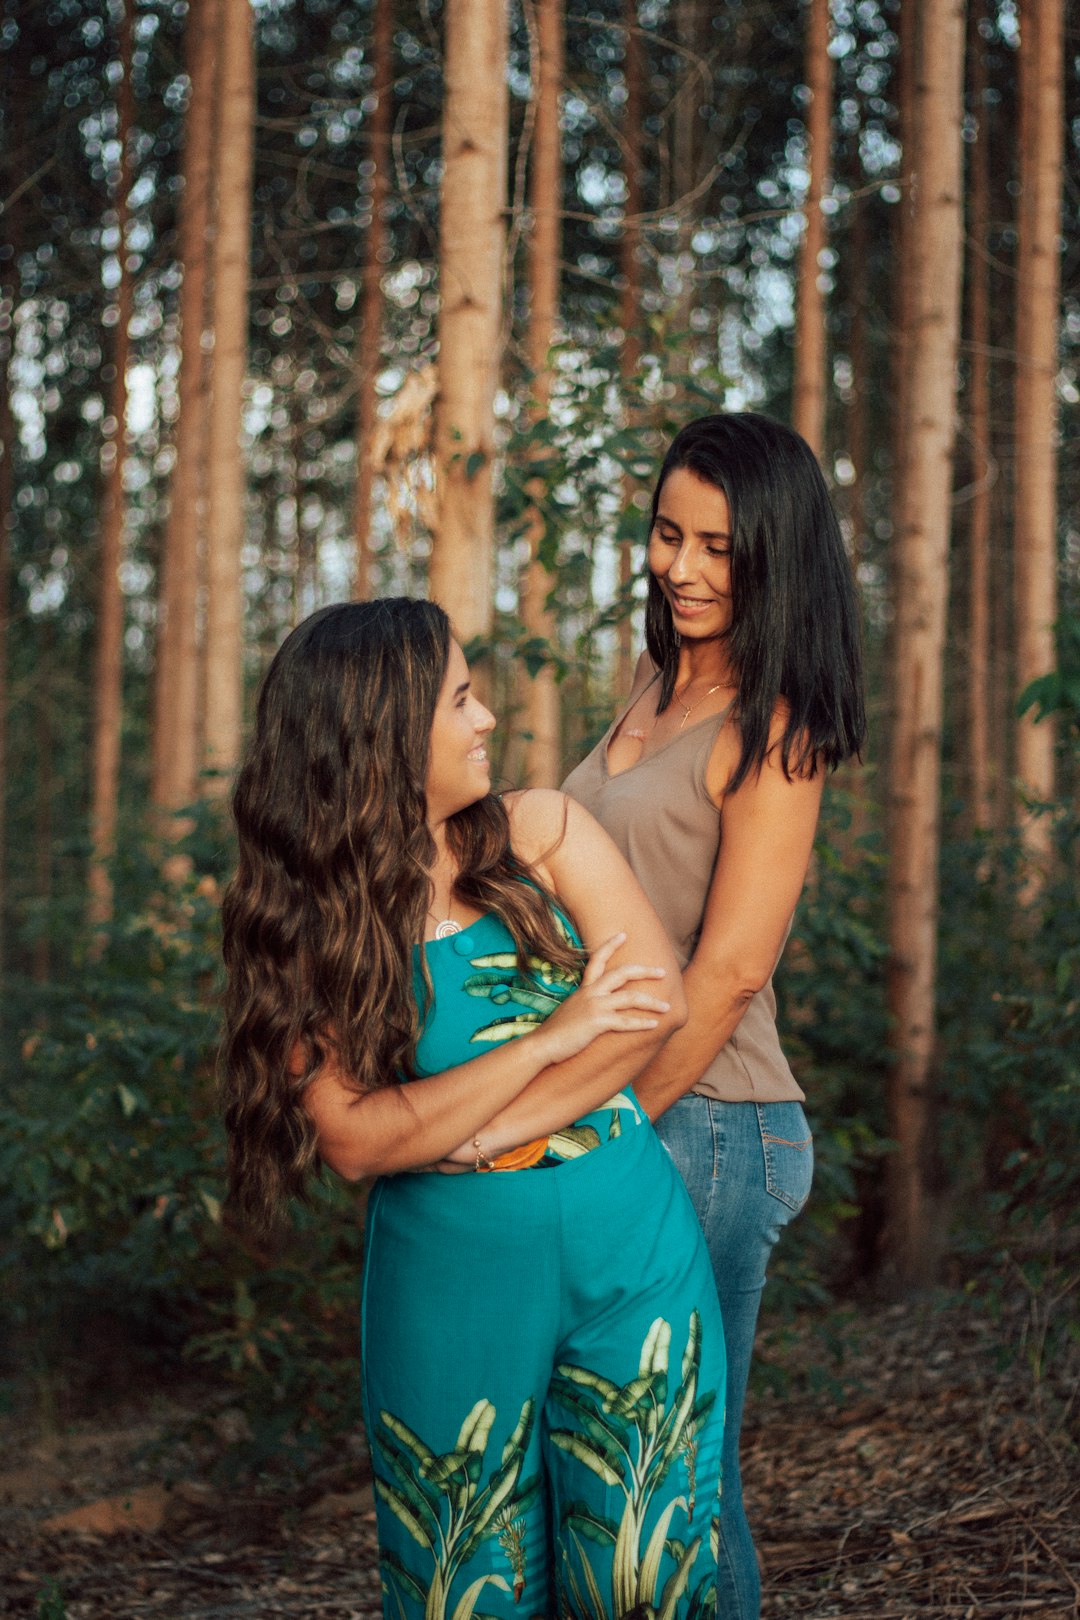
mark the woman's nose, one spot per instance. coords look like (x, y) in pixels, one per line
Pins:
(682, 568)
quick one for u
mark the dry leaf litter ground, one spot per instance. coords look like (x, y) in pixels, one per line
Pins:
(911, 1461)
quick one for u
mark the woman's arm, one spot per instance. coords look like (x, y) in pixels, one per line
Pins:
(402, 1127)
(581, 864)
(591, 1046)
(768, 837)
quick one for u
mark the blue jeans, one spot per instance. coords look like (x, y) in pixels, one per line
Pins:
(748, 1168)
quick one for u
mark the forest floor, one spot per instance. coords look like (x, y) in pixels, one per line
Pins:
(917, 1460)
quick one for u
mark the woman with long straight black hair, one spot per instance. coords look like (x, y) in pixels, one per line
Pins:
(710, 781)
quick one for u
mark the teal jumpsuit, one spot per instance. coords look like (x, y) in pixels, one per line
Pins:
(543, 1355)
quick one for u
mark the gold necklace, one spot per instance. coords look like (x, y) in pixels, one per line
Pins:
(688, 711)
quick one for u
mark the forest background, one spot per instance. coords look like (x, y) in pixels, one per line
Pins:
(313, 298)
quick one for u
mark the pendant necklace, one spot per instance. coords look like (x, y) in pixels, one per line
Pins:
(688, 710)
(447, 926)
(640, 735)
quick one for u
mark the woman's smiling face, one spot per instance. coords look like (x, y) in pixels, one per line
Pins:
(690, 554)
(459, 772)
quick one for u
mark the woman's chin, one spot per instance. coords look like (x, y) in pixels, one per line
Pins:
(695, 628)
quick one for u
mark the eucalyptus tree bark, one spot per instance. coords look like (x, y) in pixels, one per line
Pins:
(108, 660)
(630, 304)
(1038, 284)
(369, 347)
(176, 739)
(471, 245)
(922, 502)
(808, 392)
(538, 694)
(983, 468)
(233, 143)
(908, 49)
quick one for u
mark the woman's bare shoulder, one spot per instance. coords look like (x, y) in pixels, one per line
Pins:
(538, 819)
(644, 671)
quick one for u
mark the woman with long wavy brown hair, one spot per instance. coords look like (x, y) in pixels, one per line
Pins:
(423, 977)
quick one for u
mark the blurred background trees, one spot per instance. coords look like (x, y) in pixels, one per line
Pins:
(306, 299)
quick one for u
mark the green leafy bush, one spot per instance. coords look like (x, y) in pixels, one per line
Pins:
(831, 1013)
(111, 1165)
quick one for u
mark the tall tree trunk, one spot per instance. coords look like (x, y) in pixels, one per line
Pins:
(908, 49)
(234, 134)
(920, 589)
(540, 698)
(1038, 280)
(176, 739)
(983, 473)
(471, 240)
(809, 391)
(108, 663)
(630, 311)
(368, 349)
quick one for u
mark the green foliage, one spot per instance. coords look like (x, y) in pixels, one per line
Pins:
(111, 1156)
(281, 1327)
(111, 1161)
(1059, 692)
(51, 1605)
(582, 468)
(830, 992)
(1010, 1019)
(1007, 1081)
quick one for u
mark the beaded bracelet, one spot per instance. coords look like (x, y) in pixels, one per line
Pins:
(482, 1160)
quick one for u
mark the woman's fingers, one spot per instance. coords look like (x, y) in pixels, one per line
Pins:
(598, 961)
(608, 999)
(638, 1001)
(616, 978)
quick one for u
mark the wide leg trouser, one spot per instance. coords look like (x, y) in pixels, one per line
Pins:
(543, 1388)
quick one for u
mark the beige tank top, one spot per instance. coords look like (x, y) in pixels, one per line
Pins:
(660, 815)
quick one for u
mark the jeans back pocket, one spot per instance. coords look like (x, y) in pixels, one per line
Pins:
(788, 1148)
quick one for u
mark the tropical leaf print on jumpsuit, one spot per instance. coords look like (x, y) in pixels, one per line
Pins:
(534, 1452)
(627, 1435)
(499, 979)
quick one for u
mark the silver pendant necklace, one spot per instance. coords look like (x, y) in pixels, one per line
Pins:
(446, 926)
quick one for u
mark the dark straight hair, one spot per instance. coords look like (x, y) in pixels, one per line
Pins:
(795, 632)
